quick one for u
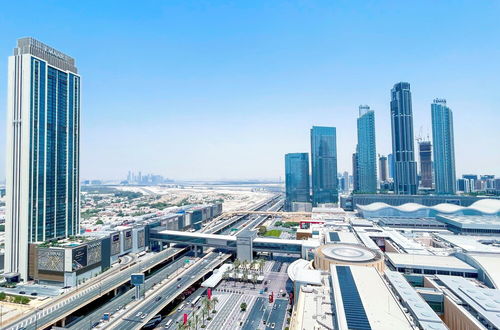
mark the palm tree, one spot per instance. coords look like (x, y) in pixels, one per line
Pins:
(203, 313)
(180, 326)
(207, 303)
(262, 263)
(214, 302)
(254, 279)
(189, 323)
(196, 321)
(236, 263)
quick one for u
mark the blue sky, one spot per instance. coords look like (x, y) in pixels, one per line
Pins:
(223, 89)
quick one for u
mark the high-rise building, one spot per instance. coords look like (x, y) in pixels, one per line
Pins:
(43, 141)
(425, 153)
(444, 148)
(405, 167)
(324, 165)
(382, 165)
(390, 164)
(355, 181)
(297, 179)
(366, 151)
(346, 181)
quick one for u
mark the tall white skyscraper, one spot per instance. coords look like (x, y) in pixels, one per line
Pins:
(43, 141)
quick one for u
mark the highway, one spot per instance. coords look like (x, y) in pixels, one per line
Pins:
(156, 301)
(47, 315)
(116, 305)
(64, 305)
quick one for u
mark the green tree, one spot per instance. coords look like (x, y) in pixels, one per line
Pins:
(2, 295)
(243, 307)
(99, 222)
(262, 230)
(214, 302)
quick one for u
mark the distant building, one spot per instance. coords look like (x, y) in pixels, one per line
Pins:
(366, 151)
(346, 180)
(324, 165)
(390, 163)
(425, 152)
(444, 149)
(405, 171)
(355, 182)
(297, 178)
(383, 172)
(43, 148)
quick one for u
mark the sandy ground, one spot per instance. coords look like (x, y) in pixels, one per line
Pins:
(235, 198)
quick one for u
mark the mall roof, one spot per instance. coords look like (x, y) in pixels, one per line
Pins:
(486, 222)
(484, 206)
(408, 222)
(490, 264)
(472, 243)
(421, 311)
(358, 293)
(448, 263)
(486, 302)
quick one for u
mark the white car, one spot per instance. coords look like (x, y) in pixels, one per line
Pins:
(144, 315)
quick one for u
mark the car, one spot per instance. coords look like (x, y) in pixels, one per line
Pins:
(133, 297)
(22, 292)
(34, 294)
(265, 282)
(273, 325)
(274, 307)
(179, 278)
(265, 289)
(138, 314)
(66, 287)
(178, 286)
(144, 315)
(95, 324)
(264, 322)
(158, 298)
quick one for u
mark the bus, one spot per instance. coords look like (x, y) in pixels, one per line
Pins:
(195, 301)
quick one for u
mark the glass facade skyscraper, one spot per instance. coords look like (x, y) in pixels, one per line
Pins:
(444, 148)
(405, 167)
(297, 179)
(324, 165)
(43, 124)
(366, 151)
(425, 154)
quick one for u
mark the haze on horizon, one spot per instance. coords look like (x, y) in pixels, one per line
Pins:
(222, 90)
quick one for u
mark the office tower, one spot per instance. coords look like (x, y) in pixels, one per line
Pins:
(355, 182)
(405, 167)
(366, 153)
(297, 178)
(382, 164)
(324, 165)
(346, 180)
(43, 124)
(425, 153)
(390, 163)
(444, 148)
(473, 181)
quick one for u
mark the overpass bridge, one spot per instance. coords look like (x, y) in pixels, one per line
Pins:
(270, 213)
(228, 242)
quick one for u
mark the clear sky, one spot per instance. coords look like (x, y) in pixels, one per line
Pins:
(223, 89)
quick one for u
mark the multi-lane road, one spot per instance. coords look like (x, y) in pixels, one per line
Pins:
(117, 305)
(46, 315)
(134, 318)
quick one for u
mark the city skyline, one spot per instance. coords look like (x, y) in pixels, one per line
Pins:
(253, 103)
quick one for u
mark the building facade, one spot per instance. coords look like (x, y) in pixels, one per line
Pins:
(383, 171)
(405, 167)
(324, 165)
(366, 151)
(43, 124)
(444, 147)
(425, 154)
(297, 179)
